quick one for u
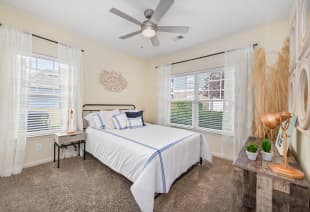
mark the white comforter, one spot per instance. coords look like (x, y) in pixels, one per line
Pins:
(152, 157)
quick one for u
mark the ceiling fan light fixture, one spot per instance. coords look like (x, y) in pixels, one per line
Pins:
(148, 32)
(149, 27)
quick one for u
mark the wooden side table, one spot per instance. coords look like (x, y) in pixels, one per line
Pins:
(260, 189)
(63, 140)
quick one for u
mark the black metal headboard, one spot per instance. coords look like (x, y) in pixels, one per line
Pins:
(90, 108)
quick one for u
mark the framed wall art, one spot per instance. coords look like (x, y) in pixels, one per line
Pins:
(290, 131)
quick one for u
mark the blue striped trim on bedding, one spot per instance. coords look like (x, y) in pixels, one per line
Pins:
(165, 148)
(119, 124)
(101, 121)
(157, 151)
(162, 171)
(128, 139)
(174, 143)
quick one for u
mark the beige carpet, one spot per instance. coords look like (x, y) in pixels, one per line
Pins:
(90, 186)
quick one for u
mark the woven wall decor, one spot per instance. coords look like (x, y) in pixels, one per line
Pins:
(113, 81)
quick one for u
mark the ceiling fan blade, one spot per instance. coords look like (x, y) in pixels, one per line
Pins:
(174, 29)
(155, 41)
(125, 16)
(162, 9)
(130, 35)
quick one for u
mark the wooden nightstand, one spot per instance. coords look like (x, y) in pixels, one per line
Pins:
(260, 189)
(67, 139)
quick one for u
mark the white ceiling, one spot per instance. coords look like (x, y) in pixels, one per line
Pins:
(208, 19)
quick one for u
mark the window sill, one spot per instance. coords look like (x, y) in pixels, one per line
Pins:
(181, 126)
(42, 134)
(34, 137)
(217, 132)
(203, 130)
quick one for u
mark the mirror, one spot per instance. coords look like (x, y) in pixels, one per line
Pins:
(306, 83)
(292, 49)
(303, 27)
(291, 95)
(304, 18)
(303, 103)
(293, 41)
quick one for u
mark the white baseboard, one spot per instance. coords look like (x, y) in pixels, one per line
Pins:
(50, 159)
(221, 155)
(38, 162)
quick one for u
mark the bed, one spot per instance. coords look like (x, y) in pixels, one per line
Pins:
(152, 157)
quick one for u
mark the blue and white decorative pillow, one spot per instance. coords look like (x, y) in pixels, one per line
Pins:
(135, 114)
(120, 121)
(135, 122)
(107, 115)
(95, 120)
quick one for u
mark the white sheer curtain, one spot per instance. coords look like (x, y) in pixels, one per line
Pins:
(163, 95)
(240, 61)
(15, 52)
(70, 64)
(229, 94)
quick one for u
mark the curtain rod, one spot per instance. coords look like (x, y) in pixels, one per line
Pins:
(47, 39)
(205, 56)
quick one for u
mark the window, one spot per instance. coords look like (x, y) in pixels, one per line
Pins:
(46, 96)
(203, 100)
(182, 96)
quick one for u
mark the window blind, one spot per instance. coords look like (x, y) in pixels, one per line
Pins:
(204, 100)
(46, 96)
(182, 97)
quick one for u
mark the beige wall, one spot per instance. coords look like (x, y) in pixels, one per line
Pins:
(97, 57)
(141, 74)
(301, 147)
(269, 36)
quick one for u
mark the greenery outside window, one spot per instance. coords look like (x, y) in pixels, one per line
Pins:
(203, 101)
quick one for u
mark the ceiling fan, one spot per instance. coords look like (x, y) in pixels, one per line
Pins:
(150, 27)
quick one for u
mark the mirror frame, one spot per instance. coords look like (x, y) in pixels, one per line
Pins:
(303, 114)
(293, 37)
(303, 40)
(292, 93)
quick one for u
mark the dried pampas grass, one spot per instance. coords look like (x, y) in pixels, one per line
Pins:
(258, 83)
(270, 85)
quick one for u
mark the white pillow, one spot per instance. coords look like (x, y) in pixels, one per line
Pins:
(95, 120)
(120, 121)
(131, 110)
(135, 122)
(107, 116)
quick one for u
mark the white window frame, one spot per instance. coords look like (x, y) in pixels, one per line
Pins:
(195, 105)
